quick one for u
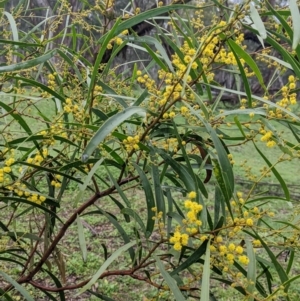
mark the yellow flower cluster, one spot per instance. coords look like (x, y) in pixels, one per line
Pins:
(171, 144)
(228, 253)
(194, 209)
(169, 115)
(131, 143)
(160, 224)
(288, 98)
(267, 137)
(72, 107)
(21, 190)
(192, 223)
(56, 182)
(146, 80)
(7, 168)
(38, 158)
(117, 40)
(230, 157)
(179, 239)
(213, 51)
(56, 129)
(36, 198)
(97, 90)
(184, 111)
(3, 171)
(51, 80)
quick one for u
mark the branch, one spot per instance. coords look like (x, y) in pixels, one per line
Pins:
(139, 29)
(65, 227)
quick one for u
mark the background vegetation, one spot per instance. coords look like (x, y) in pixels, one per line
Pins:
(149, 151)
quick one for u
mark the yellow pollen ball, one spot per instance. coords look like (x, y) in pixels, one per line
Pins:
(192, 195)
(239, 250)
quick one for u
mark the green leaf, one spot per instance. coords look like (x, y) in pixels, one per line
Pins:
(218, 206)
(251, 272)
(194, 257)
(149, 198)
(276, 174)
(23, 235)
(161, 50)
(141, 98)
(224, 163)
(205, 285)
(222, 186)
(57, 283)
(101, 296)
(34, 205)
(71, 64)
(82, 242)
(131, 212)
(117, 186)
(36, 84)
(280, 271)
(103, 48)
(4, 294)
(258, 111)
(169, 280)
(121, 230)
(17, 117)
(282, 19)
(109, 92)
(29, 63)
(257, 21)
(104, 266)
(182, 172)
(291, 261)
(107, 127)
(286, 56)
(156, 58)
(22, 44)
(159, 197)
(50, 170)
(237, 122)
(276, 59)
(17, 286)
(240, 52)
(229, 282)
(148, 14)
(296, 22)
(13, 26)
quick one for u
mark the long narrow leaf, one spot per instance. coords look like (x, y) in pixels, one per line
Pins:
(280, 271)
(169, 280)
(149, 197)
(296, 22)
(105, 265)
(206, 276)
(276, 174)
(29, 63)
(17, 286)
(82, 242)
(108, 126)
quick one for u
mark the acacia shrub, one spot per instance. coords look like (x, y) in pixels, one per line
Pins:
(168, 138)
